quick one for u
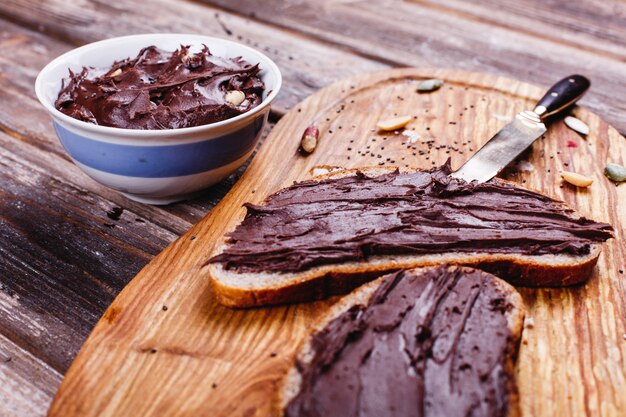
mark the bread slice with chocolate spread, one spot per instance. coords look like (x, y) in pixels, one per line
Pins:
(423, 342)
(331, 234)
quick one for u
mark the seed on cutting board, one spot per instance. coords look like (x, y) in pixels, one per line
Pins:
(577, 125)
(429, 85)
(576, 179)
(308, 143)
(235, 97)
(615, 172)
(393, 124)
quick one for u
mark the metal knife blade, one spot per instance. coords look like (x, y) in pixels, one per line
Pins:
(519, 134)
(502, 148)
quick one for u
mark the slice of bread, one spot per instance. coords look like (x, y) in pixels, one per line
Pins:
(248, 289)
(495, 297)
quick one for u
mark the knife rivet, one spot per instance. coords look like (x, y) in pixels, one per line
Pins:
(554, 94)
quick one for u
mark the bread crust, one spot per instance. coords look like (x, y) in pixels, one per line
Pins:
(290, 384)
(235, 289)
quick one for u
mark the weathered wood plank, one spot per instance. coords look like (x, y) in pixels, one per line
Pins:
(57, 270)
(306, 65)
(65, 257)
(594, 25)
(27, 384)
(411, 34)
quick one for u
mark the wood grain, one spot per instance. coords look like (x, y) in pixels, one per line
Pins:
(31, 385)
(417, 34)
(592, 25)
(165, 347)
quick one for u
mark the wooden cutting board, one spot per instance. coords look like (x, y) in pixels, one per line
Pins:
(166, 348)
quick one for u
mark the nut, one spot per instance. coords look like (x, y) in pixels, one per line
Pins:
(577, 125)
(393, 124)
(576, 179)
(429, 85)
(235, 97)
(115, 73)
(615, 172)
(309, 139)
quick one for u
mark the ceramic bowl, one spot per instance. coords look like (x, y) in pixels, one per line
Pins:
(157, 166)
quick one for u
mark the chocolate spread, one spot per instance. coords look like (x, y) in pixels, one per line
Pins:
(161, 90)
(434, 343)
(351, 219)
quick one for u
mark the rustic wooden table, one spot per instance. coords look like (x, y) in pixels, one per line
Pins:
(69, 245)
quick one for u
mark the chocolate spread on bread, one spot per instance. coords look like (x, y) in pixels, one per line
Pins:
(161, 90)
(431, 343)
(425, 212)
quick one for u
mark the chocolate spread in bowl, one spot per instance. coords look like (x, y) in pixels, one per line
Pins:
(425, 212)
(433, 343)
(161, 90)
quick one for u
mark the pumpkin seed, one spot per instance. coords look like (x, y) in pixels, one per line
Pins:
(429, 85)
(577, 125)
(615, 172)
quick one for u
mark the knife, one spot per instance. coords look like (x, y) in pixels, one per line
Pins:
(519, 134)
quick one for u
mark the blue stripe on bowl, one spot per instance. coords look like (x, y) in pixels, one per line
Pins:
(161, 161)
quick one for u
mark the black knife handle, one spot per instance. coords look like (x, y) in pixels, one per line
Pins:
(562, 95)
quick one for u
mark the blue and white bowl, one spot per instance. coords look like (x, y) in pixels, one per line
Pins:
(157, 166)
